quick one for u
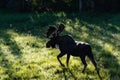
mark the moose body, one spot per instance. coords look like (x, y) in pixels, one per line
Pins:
(67, 45)
(70, 47)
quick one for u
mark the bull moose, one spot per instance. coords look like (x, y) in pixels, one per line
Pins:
(67, 45)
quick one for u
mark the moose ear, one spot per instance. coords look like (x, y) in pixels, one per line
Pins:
(60, 28)
(50, 31)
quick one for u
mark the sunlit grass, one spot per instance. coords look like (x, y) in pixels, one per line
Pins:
(23, 55)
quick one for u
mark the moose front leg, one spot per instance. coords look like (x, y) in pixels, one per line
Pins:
(58, 57)
(68, 57)
(84, 62)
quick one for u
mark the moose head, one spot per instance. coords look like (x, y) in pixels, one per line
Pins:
(54, 32)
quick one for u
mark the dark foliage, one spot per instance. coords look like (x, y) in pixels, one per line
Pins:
(60, 5)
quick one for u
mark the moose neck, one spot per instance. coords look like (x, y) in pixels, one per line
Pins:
(65, 43)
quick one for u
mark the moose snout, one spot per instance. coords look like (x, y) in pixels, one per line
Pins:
(47, 45)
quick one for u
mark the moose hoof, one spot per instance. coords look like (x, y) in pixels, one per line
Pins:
(62, 65)
(83, 71)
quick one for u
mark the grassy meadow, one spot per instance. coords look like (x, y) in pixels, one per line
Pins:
(23, 55)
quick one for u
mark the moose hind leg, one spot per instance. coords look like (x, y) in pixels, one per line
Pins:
(92, 60)
(84, 62)
(94, 63)
(58, 57)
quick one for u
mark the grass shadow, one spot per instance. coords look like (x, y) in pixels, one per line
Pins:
(11, 43)
(72, 74)
(67, 70)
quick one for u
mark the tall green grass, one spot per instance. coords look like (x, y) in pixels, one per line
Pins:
(23, 55)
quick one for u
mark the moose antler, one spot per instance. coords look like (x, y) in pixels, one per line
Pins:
(60, 28)
(50, 30)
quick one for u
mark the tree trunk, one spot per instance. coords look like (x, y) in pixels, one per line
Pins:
(80, 6)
